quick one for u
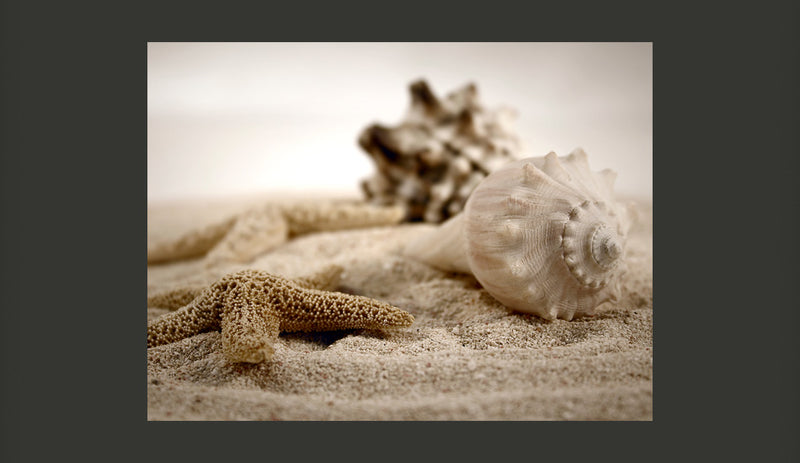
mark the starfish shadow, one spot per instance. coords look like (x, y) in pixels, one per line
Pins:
(320, 338)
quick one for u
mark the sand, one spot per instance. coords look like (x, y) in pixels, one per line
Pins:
(466, 357)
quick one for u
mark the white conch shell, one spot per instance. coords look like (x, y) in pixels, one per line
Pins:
(542, 235)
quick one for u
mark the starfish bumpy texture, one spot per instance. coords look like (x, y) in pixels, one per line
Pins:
(258, 230)
(251, 307)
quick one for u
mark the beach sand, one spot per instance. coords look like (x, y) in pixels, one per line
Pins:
(466, 357)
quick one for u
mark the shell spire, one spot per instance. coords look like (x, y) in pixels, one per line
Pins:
(542, 235)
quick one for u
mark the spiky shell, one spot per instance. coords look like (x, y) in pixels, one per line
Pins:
(544, 236)
(430, 162)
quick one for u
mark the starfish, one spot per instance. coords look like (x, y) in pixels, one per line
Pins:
(251, 307)
(257, 230)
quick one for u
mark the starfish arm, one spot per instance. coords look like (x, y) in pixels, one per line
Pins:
(176, 298)
(306, 218)
(254, 232)
(193, 244)
(244, 236)
(315, 310)
(304, 309)
(327, 279)
(249, 332)
(197, 317)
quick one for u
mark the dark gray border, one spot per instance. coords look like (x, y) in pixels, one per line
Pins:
(726, 218)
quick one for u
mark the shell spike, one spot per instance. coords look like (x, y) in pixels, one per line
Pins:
(609, 177)
(422, 95)
(579, 155)
(553, 167)
(534, 177)
(530, 173)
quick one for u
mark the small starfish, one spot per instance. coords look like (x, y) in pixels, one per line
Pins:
(257, 230)
(251, 307)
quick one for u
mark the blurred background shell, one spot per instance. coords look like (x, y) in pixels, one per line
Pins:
(436, 156)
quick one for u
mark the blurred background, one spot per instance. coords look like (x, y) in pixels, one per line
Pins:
(232, 119)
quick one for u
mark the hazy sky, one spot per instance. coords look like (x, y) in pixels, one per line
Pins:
(238, 118)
